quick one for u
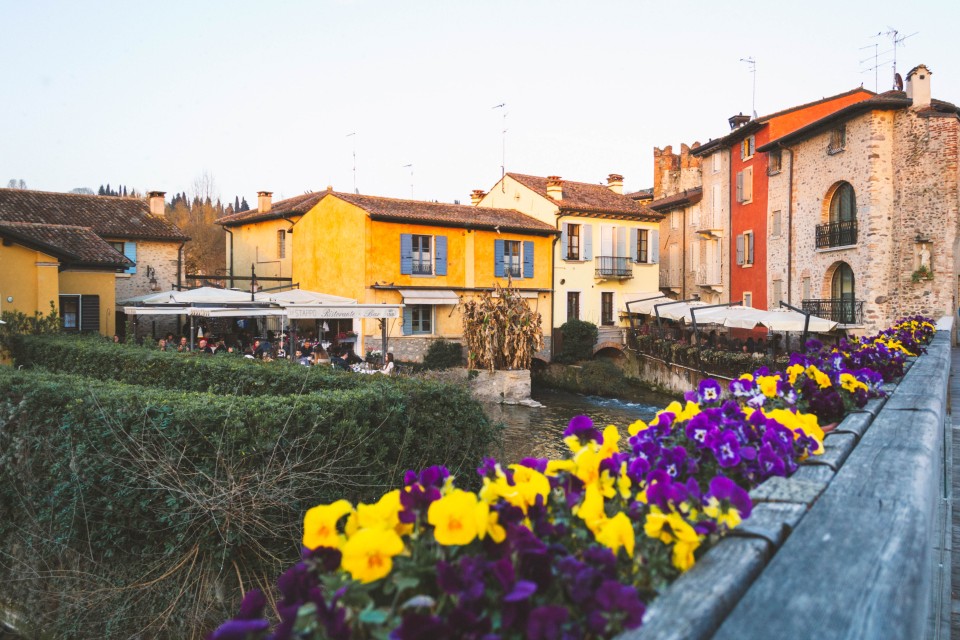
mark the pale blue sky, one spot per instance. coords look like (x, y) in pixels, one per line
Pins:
(262, 95)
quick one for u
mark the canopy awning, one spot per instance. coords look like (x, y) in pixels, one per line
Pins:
(301, 296)
(235, 312)
(646, 306)
(789, 320)
(429, 296)
(157, 311)
(342, 312)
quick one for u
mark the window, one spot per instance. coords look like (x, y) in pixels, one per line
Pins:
(745, 185)
(70, 312)
(674, 220)
(282, 244)
(606, 308)
(844, 297)
(843, 205)
(838, 139)
(573, 305)
(716, 162)
(747, 299)
(747, 147)
(805, 293)
(643, 244)
(573, 242)
(422, 255)
(511, 258)
(775, 224)
(777, 294)
(417, 319)
(80, 313)
(129, 250)
(775, 162)
(739, 186)
(745, 248)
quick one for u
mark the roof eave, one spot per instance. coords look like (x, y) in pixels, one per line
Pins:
(453, 224)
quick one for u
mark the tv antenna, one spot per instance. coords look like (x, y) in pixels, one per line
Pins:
(410, 166)
(503, 143)
(354, 136)
(895, 40)
(753, 69)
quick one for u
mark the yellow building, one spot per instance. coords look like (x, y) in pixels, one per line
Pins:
(608, 251)
(64, 267)
(427, 256)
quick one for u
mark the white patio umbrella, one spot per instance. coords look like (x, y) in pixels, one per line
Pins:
(789, 320)
(301, 296)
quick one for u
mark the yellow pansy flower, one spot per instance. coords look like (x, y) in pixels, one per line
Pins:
(383, 514)
(492, 527)
(850, 383)
(768, 385)
(797, 422)
(457, 518)
(320, 525)
(617, 532)
(729, 518)
(610, 439)
(556, 466)
(636, 427)
(590, 509)
(368, 554)
(793, 371)
(822, 379)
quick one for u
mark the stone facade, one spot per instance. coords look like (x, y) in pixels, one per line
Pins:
(902, 166)
(161, 257)
(410, 349)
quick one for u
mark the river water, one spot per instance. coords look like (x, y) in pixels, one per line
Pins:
(532, 432)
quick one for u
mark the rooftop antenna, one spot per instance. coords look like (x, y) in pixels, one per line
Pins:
(895, 40)
(410, 166)
(354, 136)
(876, 64)
(503, 158)
(753, 69)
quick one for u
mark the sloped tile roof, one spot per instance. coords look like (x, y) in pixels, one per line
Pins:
(589, 198)
(73, 245)
(106, 216)
(455, 215)
(678, 200)
(295, 206)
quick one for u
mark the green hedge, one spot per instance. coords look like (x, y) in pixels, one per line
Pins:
(222, 374)
(117, 500)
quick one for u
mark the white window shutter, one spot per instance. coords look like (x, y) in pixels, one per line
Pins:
(653, 251)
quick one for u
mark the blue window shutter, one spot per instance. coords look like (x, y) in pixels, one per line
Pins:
(498, 269)
(407, 320)
(441, 257)
(588, 242)
(633, 245)
(528, 259)
(653, 250)
(406, 253)
(563, 240)
(130, 251)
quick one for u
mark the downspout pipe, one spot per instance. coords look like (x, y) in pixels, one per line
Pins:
(231, 255)
(553, 289)
(180, 266)
(789, 225)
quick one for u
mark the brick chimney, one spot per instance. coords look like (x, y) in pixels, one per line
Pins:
(555, 187)
(918, 86)
(476, 196)
(156, 202)
(615, 183)
(264, 201)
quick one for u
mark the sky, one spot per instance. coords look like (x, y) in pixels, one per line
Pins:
(282, 96)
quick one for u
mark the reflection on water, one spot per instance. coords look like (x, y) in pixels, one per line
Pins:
(539, 432)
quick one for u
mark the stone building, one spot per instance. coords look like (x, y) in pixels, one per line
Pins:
(871, 195)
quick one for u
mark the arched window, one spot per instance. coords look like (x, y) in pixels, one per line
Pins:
(843, 205)
(843, 294)
(840, 230)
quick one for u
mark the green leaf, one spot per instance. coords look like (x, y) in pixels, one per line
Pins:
(373, 616)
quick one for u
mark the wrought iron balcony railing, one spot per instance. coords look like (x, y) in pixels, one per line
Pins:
(842, 310)
(836, 234)
(423, 267)
(613, 267)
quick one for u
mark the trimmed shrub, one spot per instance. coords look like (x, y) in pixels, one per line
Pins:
(222, 374)
(578, 340)
(129, 510)
(443, 355)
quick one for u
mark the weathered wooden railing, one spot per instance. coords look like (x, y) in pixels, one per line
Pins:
(855, 545)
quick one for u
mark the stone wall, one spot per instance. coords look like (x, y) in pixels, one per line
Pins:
(412, 349)
(161, 256)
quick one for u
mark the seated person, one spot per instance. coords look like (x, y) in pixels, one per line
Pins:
(388, 367)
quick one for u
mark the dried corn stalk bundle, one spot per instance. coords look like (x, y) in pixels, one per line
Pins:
(501, 331)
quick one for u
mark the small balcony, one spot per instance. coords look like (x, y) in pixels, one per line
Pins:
(422, 268)
(613, 267)
(842, 311)
(836, 234)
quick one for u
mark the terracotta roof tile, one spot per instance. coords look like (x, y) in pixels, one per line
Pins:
(589, 198)
(682, 199)
(295, 206)
(457, 215)
(107, 216)
(73, 245)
